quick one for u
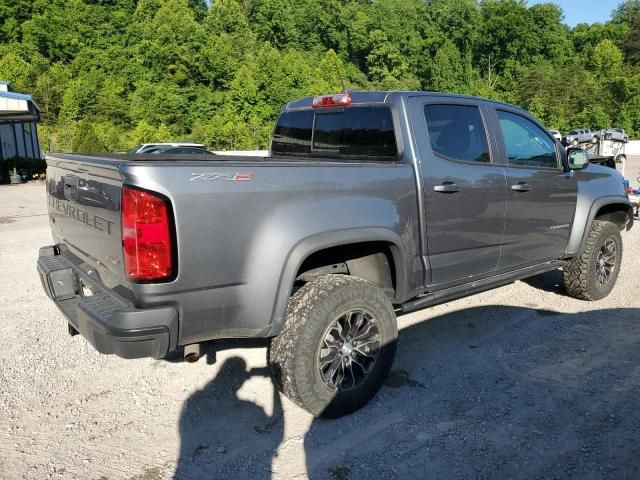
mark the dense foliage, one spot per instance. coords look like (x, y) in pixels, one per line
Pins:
(112, 73)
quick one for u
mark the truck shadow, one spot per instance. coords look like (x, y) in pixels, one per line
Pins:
(549, 282)
(223, 435)
(486, 392)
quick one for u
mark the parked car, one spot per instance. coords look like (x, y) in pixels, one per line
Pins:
(582, 135)
(615, 134)
(556, 134)
(368, 203)
(181, 151)
(146, 147)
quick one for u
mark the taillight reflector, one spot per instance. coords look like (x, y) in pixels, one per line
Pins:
(328, 101)
(146, 235)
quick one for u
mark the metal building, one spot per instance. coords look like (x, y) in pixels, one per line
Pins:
(18, 117)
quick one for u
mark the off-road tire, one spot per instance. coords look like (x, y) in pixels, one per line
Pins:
(311, 311)
(581, 272)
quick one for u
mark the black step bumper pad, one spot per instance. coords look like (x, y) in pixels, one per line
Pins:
(109, 323)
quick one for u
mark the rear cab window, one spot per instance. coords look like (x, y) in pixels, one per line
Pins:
(357, 132)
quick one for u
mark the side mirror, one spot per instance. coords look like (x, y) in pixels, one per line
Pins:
(577, 159)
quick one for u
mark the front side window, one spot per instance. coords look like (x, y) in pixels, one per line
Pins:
(457, 132)
(526, 143)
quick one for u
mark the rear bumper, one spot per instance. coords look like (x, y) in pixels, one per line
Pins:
(109, 323)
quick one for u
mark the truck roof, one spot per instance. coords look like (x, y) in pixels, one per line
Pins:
(359, 97)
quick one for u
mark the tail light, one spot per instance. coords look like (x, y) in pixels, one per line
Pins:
(146, 235)
(328, 101)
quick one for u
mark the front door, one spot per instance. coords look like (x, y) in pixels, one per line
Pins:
(542, 198)
(464, 190)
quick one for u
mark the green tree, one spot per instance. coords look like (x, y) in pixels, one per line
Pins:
(80, 97)
(451, 71)
(49, 90)
(151, 70)
(85, 139)
(593, 117)
(606, 60)
(12, 14)
(169, 44)
(385, 63)
(627, 16)
(273, 23)
(16, 70)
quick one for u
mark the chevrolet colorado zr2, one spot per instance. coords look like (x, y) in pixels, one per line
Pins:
(368, 204)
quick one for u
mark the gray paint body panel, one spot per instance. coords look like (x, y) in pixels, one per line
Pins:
(240, 243)
(463, 230)
(598, 186)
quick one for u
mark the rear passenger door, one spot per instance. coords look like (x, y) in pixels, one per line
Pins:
(464, 190)
(542, 198)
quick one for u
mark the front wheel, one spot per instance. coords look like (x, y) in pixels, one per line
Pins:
(592, 275)
(337, 345)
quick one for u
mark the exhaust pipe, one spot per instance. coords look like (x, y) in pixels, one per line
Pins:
(192, 353)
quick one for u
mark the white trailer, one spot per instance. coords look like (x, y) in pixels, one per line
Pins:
(610, 152)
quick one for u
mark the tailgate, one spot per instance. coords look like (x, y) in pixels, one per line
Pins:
(84, 213)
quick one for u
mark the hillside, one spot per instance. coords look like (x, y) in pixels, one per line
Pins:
(112, 73)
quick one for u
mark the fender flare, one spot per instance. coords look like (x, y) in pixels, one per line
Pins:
(578, 237)
(312, 244)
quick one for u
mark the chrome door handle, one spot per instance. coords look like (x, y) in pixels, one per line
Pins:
(521, 187)
(447, 187)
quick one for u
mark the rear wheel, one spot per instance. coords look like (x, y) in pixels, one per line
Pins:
(336, 347)
(592, 275)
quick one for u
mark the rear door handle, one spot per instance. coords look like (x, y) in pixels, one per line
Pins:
(521, 187)
(447, 187)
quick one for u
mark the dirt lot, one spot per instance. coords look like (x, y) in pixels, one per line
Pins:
(521, 381)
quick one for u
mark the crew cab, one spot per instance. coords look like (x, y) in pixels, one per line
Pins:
(615, 134)
(582, 135)
(368, 204)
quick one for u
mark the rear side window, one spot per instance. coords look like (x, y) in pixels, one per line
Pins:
(457, 132)
(526, 143)
(293, 133)
(349, 132)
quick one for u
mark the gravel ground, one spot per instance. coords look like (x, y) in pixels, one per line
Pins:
(521, 381)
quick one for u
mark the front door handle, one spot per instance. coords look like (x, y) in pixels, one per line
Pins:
(521, 187)
(447, 187)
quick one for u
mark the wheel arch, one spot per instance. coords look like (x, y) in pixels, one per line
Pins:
(331, 243)
(615, 209)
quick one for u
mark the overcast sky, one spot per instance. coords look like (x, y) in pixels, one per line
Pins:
(583, 11)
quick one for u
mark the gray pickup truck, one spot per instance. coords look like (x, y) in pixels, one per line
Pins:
(368, 204)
